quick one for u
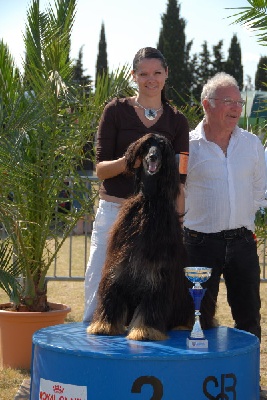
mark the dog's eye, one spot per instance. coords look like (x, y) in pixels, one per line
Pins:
(147, 147)
(161, 145)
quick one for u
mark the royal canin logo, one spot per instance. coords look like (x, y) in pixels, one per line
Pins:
(58, 389)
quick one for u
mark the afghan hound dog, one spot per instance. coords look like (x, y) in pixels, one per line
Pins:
(143, 289)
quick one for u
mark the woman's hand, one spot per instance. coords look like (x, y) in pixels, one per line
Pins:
(180, 203)
(138, 162)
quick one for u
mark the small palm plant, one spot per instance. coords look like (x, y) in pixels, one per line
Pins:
(253, 15)
(9, 272)
(45, 122)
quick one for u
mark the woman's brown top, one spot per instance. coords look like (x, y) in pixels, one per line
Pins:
(120, 126)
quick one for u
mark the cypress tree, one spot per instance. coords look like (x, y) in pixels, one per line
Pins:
(233, 64)
(102, 58)
(261, 74)
(204, 70)
(85, 81)
(172, 44)
(190, 70)
(248, 85)
(218, 62)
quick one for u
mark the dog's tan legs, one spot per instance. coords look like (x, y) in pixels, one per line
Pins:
(189, 326)
(146, 333)
(104, 328)
(182, 328)
(138, 331)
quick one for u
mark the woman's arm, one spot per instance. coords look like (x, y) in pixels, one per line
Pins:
(180, 204)
(109, 169)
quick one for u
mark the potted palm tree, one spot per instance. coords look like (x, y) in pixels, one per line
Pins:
(45, 122)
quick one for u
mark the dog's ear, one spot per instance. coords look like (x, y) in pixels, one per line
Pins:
(167, 151)
(134, 152)
(130, 157)
(169, 171)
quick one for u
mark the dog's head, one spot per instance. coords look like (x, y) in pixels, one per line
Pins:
(147, 153)
(152, 157)
(152, 160)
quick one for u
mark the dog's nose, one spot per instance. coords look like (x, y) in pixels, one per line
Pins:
(153, 157)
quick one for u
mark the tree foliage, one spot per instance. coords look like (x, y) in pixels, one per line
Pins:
(46, 53)
(102, 58)
(261, 74)
(218, 63)
(172, 44)
(85, 81)
(254, 16)
(233, 64)
(204, 71)
(188, 73)
(45, 122)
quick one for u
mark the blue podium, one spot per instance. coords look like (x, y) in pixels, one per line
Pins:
(69, 364)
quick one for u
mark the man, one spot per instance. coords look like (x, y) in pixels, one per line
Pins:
(225, 187)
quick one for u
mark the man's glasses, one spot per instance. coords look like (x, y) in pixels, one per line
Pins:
(229, 102)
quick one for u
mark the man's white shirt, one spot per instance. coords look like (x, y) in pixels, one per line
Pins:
(224, 192)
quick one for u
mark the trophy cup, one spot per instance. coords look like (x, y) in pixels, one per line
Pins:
(197, 275)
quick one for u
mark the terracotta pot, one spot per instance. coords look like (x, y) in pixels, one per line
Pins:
(17, 328)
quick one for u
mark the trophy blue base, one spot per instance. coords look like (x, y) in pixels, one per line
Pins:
(197, 343)
(68, 363)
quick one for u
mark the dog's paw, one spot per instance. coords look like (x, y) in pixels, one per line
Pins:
(215, 323)
(211, 323)
(146, 333)
(104, 328)
(182, 328)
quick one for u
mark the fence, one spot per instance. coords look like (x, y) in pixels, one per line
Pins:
(262, 251)
(73, 256)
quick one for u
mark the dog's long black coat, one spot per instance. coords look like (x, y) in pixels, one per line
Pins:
(143, 285)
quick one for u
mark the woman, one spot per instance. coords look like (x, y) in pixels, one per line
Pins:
(123, 122)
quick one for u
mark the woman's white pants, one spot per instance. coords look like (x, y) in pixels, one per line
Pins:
(105, 217)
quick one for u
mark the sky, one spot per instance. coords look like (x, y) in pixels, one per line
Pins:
(131, 25)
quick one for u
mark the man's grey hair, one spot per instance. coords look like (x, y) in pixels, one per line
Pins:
(221, 79)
